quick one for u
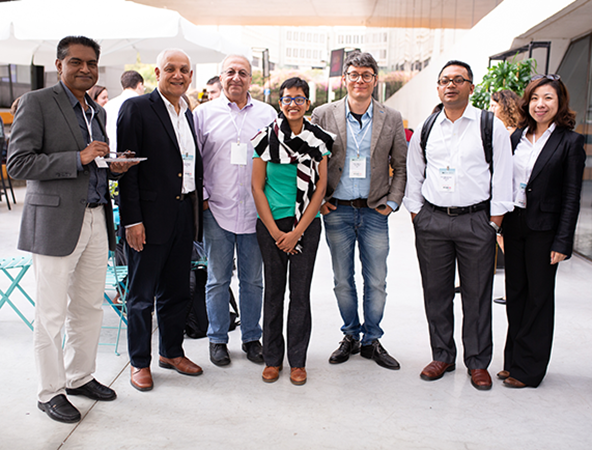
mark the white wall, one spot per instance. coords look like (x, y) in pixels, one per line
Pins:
(493, 34)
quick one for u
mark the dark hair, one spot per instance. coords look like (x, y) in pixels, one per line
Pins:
(131, 79)
(359, 59)
(510, 112)
(213, 80)
(565, 117)
(64, 45)
(295, 82)
(455, 62)
(95, 91)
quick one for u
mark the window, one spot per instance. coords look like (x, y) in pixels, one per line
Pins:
(315, 37)
(289, 36)
(309, 37)
(308, 53)
(288, 52)
(302, 53)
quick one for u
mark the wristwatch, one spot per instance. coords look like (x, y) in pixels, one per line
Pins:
(496, 227)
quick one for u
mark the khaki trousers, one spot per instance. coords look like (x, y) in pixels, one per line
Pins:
(70, 294)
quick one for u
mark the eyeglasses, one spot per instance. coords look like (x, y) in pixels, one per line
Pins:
(286, 101)
(367, 77)
(241, 73)
(457, 81)
(551, 76)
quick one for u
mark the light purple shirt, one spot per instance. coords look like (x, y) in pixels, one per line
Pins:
(227, 187)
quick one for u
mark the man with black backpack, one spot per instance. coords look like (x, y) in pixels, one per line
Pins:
(459, 186)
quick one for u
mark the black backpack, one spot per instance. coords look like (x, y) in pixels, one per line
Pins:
(486, 135)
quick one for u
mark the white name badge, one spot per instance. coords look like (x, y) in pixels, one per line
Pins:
(100, 162)
(521, 196)
(238, 154)
(447, 180)
(357, 168)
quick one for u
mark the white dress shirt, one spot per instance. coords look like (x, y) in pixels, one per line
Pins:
(525, 157)
(112, 109)
(185, 141)
(456, 147)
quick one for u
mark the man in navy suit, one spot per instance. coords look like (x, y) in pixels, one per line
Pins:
(161, 207)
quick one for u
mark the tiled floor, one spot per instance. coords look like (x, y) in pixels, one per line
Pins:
(356, 405)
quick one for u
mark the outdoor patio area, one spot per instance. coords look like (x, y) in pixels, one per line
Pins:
(355, 405)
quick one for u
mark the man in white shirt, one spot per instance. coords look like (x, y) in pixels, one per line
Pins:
(457, 204)
(133, 85)
(225, 127)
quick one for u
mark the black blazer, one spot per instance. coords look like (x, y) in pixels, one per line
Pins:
(150, 191)
(553, 190)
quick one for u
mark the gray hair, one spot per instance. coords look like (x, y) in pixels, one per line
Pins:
(162, 55)
(241, 57)
(359, 59)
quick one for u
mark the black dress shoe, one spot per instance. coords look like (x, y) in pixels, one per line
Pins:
(219, 354)
(253, 351)
(348, 346)
(377, 352)
(60, 409)
(94, 390)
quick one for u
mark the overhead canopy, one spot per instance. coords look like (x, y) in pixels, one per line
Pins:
(31, 29)
(369, 13)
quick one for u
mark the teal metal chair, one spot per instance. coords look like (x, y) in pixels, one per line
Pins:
(20, 265)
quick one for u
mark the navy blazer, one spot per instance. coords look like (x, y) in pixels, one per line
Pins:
(150, 192)
(553, 190)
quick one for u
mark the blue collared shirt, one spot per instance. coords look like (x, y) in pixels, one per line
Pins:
(353, 188)
(97, 186)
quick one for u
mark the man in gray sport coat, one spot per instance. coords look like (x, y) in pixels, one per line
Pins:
(67, 224)
(360, 196)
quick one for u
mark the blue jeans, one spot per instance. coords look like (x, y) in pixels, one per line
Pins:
(220, 246)
(343, 227)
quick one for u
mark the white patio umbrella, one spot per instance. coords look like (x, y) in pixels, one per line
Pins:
(31, 29)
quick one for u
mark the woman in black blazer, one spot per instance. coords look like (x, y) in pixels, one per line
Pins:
(548, 167)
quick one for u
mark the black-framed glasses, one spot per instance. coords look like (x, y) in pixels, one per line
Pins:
(551, 76)
(286, 101)
(367, 77)
(457, 81)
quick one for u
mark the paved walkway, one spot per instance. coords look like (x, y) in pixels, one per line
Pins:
(356, 405)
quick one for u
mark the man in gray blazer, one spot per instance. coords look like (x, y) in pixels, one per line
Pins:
(360, 196)
(57, 141)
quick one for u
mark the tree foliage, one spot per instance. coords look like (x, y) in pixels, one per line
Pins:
(512, 75)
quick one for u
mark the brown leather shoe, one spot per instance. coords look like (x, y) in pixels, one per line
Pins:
(436, 370)
(181, 364)
(141, 379)
(298, 376)
(480, 379)
(513, 383)
(271, 373)
(503, 374)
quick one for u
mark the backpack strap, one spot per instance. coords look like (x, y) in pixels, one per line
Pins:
(426, 129)
(515, 138)
(487, 137)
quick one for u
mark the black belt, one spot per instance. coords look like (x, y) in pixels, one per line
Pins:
(185, 196)
(94, 205)
(357, 203)
(460, 210)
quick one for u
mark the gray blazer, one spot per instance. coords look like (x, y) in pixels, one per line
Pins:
(388, 149)
(45, 139)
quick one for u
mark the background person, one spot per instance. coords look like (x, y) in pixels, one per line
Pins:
(214, 88)
(99, 94)
(505, 104)
(289, 224)
(549, 161)
(133, 85)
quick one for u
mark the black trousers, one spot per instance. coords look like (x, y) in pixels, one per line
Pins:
(275, 266)
(442, 241)
(161, 272)
(530, 299)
